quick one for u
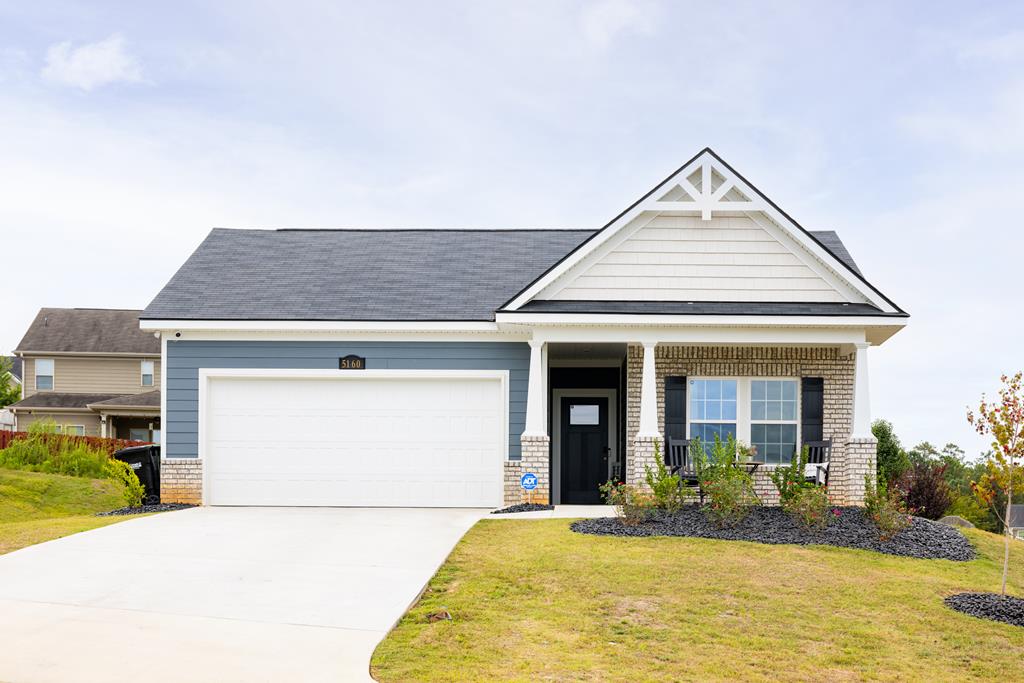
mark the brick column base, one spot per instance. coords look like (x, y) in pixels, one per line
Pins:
(643, 457)
(181, 481)
(536, 458)
(857, 462)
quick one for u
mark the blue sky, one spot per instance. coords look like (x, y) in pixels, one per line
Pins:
(127, 130)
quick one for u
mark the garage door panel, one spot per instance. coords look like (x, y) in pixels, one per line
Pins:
(399, 442)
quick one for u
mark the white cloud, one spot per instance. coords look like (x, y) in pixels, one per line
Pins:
(91, 65)
(605, 20)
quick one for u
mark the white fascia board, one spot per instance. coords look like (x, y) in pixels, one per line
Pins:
(707, 336)
(725, 321)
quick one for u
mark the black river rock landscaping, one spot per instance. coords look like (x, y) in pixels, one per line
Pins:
(1007, 609)
(143, 509)
(850, 528)
(522, 507)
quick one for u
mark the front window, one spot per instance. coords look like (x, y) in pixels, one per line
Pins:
(44, 374)
(156, 436)
(74, 430)
(147, 373)
(138, 434)
(713, 409)
(773, 419)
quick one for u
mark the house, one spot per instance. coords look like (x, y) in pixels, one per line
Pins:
(16, 371)
(436, 367)
(1016, 521)
(92, 371)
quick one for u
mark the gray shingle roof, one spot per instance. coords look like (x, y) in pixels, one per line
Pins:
(358, 274)
(1016, 516)
(147, 399)
(16, 366)
(702, 308)
(830, 240)
(454, 275)
(88, 330)
(52, 399)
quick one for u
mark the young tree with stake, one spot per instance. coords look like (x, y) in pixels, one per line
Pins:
(1003, 421)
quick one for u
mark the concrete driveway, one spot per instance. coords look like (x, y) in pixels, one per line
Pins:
(219, 594)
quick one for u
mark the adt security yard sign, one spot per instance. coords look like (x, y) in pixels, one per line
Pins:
(528, 481)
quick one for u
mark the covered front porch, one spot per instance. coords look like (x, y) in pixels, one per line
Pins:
(597, 408)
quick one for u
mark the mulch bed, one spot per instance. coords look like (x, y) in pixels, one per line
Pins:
(923, 539)
(143, 509)
(522, 507)
(1007, 609)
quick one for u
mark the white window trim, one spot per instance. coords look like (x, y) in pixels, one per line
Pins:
(743, 420)
(52, 374)
(66, 427)
(143, 373)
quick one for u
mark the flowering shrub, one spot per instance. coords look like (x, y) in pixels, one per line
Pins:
(885, 506)
(790, 479)
(632, 504)
(728, 489)
(665, 487)
(810, 505)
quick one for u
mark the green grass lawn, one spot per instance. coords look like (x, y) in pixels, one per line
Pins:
(533, 601)
(37, 507)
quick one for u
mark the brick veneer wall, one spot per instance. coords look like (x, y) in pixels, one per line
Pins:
(181, 481)
(850, 461)
(535, 459)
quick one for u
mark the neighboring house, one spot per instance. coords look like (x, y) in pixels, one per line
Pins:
(93, 372)
(16, 369)
(1016, 522)
(435, 367)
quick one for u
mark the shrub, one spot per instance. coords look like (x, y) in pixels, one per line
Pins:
(728, 489)
(122, 473)
(665, 487)
(43, 450)
(925, 489)
(968, 507)
(632, 504)
(884, 505)
(791, 478)
(810, 506)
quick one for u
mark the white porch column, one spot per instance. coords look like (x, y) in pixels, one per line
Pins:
(861, 395)
(536, 425)
(648, 396)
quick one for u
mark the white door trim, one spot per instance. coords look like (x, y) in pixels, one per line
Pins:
(556, 432)
(207, 374)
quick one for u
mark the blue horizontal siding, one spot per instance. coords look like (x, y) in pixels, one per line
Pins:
(185, 358)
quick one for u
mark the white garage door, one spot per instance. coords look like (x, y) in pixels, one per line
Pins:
(354, 440)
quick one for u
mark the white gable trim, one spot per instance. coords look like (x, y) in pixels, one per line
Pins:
(705, 202)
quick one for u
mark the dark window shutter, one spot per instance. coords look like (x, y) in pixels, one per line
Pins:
(812, 413)
(675, 407)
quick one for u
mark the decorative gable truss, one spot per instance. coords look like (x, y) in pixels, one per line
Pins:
(703, 234)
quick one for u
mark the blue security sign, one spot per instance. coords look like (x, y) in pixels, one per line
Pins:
(528, 481)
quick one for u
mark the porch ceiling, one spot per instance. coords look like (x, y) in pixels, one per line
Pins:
(583, 351)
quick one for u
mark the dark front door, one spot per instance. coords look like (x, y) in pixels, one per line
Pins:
(584, 449)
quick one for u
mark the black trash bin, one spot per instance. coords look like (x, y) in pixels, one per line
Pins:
(145, 460)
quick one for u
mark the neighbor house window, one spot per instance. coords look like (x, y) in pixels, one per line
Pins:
(138, 434)
(147, 373)
(44, 374)
(74, 430)
(773, 422)
(713, 409)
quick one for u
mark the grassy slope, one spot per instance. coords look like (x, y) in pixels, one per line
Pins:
(38, 507)
(533, 601)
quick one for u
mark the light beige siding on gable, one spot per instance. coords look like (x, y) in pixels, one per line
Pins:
(683, 258)
(93, 375)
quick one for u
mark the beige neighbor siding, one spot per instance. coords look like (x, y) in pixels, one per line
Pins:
(91, 421)
(93, 375)
(683, 258)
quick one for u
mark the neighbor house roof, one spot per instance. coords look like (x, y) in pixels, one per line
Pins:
(414, 275)
(148, 399)
(1016, 516)
(451, 275)
(16, 366)
(87, 330)
(50, 399)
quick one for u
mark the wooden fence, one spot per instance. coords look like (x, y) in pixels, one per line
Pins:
(100, 443)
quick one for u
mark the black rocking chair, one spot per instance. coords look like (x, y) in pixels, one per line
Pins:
(678, 461)
(819, 456)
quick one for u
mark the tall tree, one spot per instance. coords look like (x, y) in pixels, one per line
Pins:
(9, 389)
(1003, 421)
(892, 460)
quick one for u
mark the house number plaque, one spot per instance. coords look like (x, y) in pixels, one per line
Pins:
(352, 362)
